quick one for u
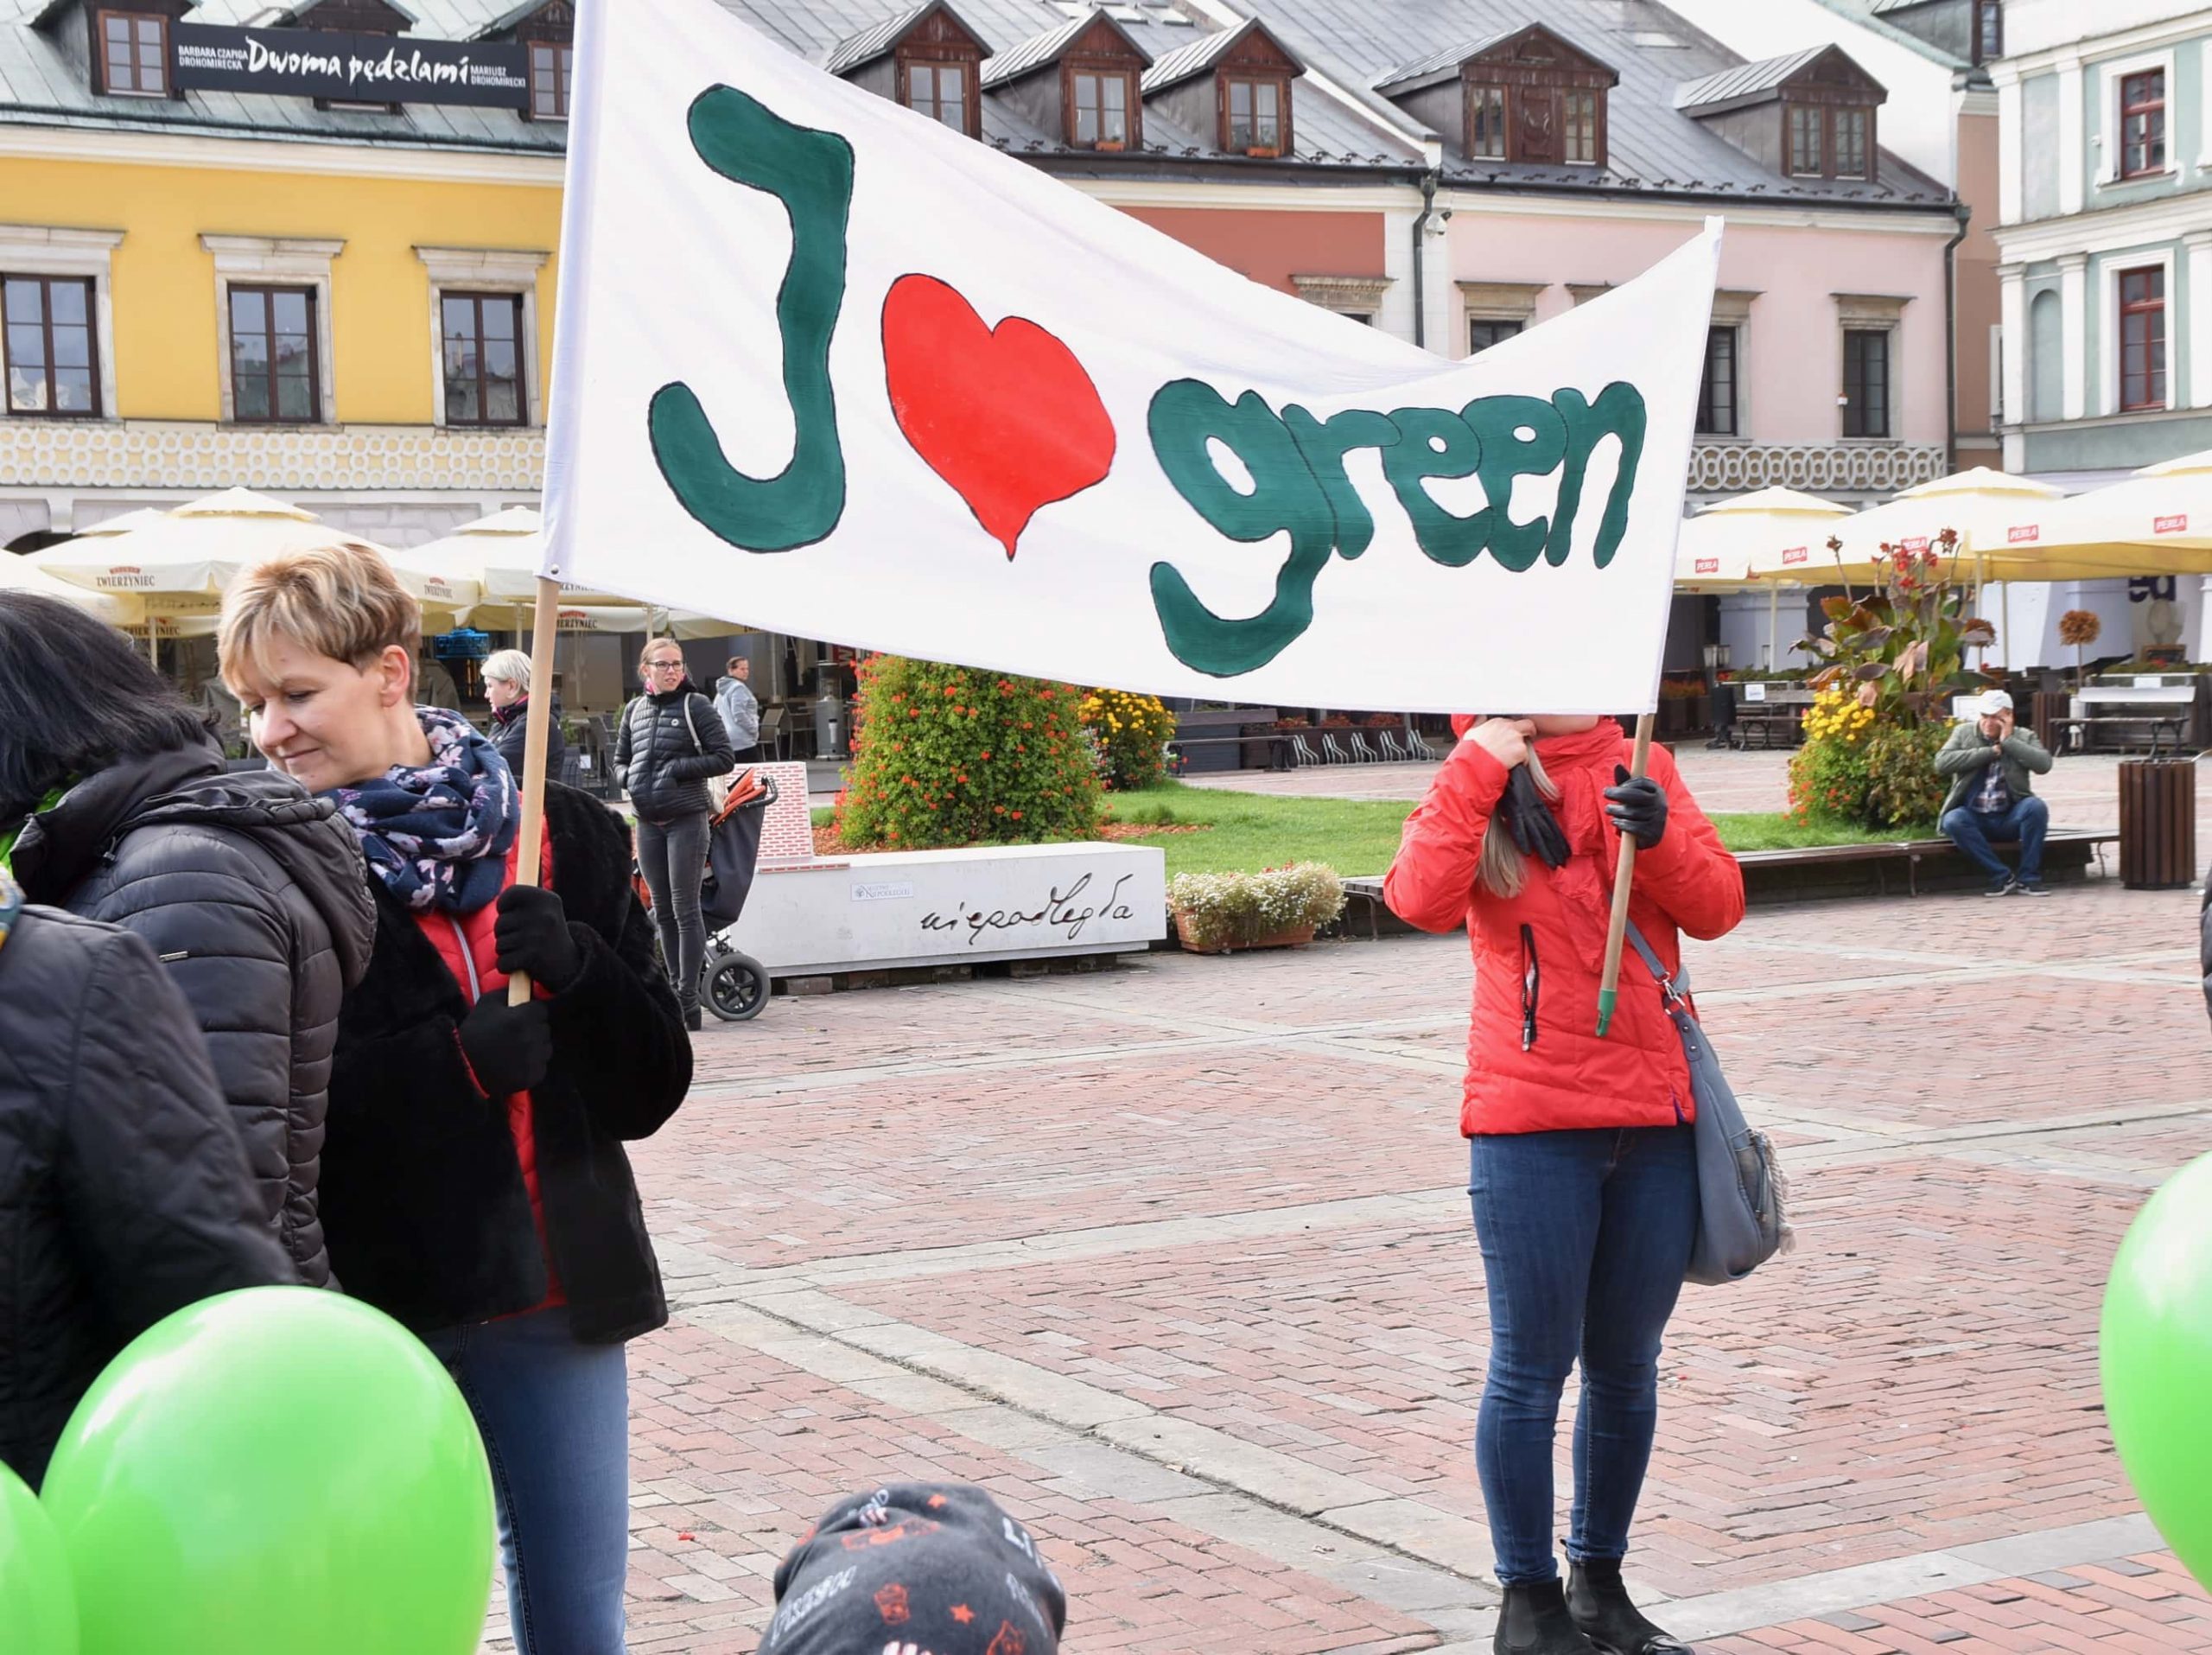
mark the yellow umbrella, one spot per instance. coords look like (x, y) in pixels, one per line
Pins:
(1717, 549)
(2158, 522)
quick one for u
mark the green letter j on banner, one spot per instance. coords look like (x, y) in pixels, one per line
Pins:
(812, 173)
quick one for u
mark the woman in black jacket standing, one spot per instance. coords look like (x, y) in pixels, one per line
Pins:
(672, 739)
(120, 808)
(124, 1190)
(475, 1182)
(506, 686)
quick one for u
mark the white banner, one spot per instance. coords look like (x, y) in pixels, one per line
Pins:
(836, 369)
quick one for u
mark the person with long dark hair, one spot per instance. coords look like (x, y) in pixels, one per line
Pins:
(1583, 1169)
(476, 1184)
(671, 739)
(116, 804)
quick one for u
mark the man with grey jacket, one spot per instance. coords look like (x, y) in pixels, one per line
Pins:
(740, 712)
(1989, 760)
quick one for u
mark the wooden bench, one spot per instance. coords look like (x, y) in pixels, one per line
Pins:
(2065, 850)
(1779, 876)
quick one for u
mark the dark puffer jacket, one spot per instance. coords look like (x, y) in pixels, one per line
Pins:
(124, 1190)
(255, 896)
(423, 1190)
(669, 744)
(510, 732)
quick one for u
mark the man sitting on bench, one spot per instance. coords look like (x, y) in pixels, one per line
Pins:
(1989, 761)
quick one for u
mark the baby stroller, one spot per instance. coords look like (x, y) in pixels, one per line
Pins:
(732, 984)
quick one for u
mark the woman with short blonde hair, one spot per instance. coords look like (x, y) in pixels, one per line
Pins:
(475, 1183)
(506, 686)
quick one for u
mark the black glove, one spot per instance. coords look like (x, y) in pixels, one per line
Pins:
(531, 934)
(509, 1047)
(1530, 821)
(1637, 808)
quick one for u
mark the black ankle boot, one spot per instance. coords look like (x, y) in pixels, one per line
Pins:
(1598, 1604)
(1534, 1621)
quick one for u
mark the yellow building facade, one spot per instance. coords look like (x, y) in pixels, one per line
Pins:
(349, 307)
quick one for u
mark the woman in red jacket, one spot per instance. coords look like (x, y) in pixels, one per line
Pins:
(1584, 1177)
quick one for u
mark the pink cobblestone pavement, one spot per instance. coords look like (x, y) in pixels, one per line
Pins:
(1175, 1260)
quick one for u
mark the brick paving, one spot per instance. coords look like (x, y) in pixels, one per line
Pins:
(1175, 1260)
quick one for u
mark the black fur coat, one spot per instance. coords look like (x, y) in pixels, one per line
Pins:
(424, 1204)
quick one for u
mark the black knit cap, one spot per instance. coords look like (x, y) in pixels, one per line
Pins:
(926, 1569)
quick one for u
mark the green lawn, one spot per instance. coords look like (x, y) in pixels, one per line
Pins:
(1249, 831)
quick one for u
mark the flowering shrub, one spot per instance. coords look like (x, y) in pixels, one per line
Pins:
(1133, 733)
(946, 755)
(1220, 911)
(1892, 660)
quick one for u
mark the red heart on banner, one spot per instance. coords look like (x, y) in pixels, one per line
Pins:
(1005, 415)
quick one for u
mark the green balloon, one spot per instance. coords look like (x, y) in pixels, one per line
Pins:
(2157, 1361)
(278, 1469)
(38, 1604)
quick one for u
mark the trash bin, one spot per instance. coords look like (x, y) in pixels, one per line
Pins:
(2158, 824)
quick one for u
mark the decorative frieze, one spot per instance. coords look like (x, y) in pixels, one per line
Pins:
(164, 455)
(1858, 467)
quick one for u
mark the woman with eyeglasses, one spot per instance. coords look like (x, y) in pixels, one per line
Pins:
(671, 739)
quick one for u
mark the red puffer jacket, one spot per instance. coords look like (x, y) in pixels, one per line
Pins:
(1548, 944)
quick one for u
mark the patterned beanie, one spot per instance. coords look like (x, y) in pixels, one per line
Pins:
(916, 1568)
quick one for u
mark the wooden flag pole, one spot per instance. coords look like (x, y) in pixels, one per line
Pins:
(536, 730)
(1624, 876)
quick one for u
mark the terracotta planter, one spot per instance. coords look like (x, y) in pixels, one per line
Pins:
(1290, 938)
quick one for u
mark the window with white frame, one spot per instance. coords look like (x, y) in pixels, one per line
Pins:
(56, 360)
(272, 303)
(483, 335)
(1868, 400)
(2136, 371)
(2135, 135)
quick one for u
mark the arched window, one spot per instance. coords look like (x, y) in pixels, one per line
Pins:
(2046, 359)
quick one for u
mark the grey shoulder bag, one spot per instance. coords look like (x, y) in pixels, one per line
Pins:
(1742, 1193)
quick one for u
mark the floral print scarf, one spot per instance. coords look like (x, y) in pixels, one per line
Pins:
(437, 835)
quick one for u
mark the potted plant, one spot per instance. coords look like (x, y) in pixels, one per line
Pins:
(1279, 907)
(2078, 629)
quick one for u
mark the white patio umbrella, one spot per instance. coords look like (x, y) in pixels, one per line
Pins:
(177, 564)
(20, 575)
(1716, 548)
(501, 553)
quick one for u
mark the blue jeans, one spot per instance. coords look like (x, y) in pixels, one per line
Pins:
(555, 1415)
(1584, 1236)
(2027, 821)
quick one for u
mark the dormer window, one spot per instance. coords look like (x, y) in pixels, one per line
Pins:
(134, 53)
(940, 92)
(1526, 96)
(1809, 114)
(1988, 30)
(552, 73)
(924, 58)
(1235, 84)
(1828, 142)
(1082, 79)
(1256, 112)
(1098, 109)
